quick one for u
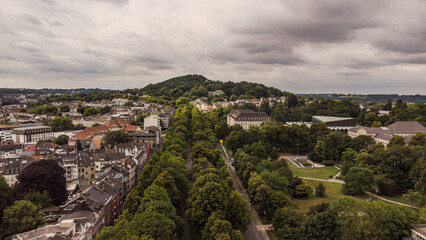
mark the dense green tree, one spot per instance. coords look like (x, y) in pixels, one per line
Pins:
(385, 185)
(418, 139)
(332, 143)
(396, 140)
(61, 140)
(348, 157)
(320, 152)
(287, 222)
(90, 111)
(415, 198)
(219, 228)
(361, 142)
(154, 224)
(321, 224)
(44, 175)
(166, 181)
(21, 216)
(6, 197)
(365, 160)
(61, 124)
(358, 180)
(302, 191)
(64, 108)
(320, 190)
(41, 200)
(114, 137)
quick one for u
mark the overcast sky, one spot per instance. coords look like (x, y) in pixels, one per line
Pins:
(302, 46)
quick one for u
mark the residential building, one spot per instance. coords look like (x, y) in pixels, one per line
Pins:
(66, 229)
(246, 118)
(383, 135)
(150, 137)
(215, 93)
(32, 134)
(152, 121)
(11, 167)
(86, 166)
(130, 165)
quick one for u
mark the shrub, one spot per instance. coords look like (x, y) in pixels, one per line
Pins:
(307, 164)
(328, 163)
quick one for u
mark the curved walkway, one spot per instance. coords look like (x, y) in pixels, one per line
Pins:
(369, 193)
(387, 200)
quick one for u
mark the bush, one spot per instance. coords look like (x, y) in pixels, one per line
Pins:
(302, 191)
(307, 164)
(328, 163)
(320, 190)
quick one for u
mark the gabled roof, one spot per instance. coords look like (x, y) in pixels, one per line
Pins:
(98, 195)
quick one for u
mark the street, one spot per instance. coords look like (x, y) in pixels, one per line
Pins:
(255, 230)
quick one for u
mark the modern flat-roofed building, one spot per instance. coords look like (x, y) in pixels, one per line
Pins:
(246, 118)
(152, 120)
(335, 121)
(32, 134)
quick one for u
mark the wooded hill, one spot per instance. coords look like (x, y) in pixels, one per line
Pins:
(194, 86)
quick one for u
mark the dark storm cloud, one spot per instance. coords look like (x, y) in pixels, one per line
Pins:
(299, 46)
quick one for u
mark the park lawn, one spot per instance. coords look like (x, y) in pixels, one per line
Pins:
(332, 192)
(320, 173)
(397, 198)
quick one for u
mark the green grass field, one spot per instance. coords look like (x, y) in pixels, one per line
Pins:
(332, 192)
(320, 173)
(397, 198)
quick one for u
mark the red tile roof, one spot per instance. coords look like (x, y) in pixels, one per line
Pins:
(89, 133)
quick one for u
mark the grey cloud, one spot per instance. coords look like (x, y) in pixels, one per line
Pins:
(32, 19)
(27, 46)
(300, 46)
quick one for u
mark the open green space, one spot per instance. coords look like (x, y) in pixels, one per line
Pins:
(397, 198)
(332, 192)
(320, 173)
(287, 154)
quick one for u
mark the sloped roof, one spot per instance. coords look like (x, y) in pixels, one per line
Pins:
(89, 133)
(98, 195)
(406, 127)
(248, 114)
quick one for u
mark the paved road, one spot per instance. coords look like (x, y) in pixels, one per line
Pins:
(324, 180)
(255, 230)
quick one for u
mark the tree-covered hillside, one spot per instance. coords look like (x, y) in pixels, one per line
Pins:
(195, 86)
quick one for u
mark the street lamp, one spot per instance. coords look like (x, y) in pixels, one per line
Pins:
(264, 221)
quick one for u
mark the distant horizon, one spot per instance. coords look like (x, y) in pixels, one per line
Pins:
(296, 93)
